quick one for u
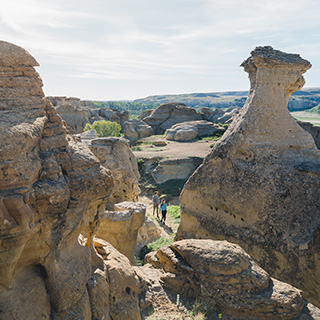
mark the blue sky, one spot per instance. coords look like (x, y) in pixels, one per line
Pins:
(122, 49)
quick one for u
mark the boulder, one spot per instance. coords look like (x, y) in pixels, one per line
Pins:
(120, 227)
(166, 115)
(313, 130)
(52, 189)
(115, 154)
(74, 116)
(259, 187)
(219, 115)
(123, 284)
(187, 131)
(135, 129)
(224, 276)
(175, 169)
(77, 113)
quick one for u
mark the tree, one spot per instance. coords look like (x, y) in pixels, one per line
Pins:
(104, 128)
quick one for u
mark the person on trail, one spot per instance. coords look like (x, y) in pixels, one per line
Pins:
(155, 200)
(163, 208)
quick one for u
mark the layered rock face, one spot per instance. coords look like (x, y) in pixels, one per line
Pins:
(259, 187)
(166, 115)
(77, 113)
(52, 189)
(120, 227)
(225, 276)
(187, 131)
(135, 129)
(175, 169)
(116, 155)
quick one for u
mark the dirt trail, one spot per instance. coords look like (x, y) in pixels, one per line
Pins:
(173, 149)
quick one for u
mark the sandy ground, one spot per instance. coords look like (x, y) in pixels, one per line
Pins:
(173, 149)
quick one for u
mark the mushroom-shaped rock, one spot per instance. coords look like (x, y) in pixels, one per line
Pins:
(259, 187)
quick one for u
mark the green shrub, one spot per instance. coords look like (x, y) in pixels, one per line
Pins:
(104, 128)
(174, 211)
(154, 246)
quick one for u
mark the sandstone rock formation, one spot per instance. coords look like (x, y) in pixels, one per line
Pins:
(122, 297)
(135, 129)
(187, 131)
(219, 115)
(115, 154)
(120, 227)
(166, 115)
(52, 189)
(259, 187)
(227, 278)
(77, 113)
(313, 130)
(175, 169)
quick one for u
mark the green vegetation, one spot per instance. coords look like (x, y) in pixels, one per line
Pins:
(315, 110)
(154, 246)
(311, 117)
(174, 212)
(134, 108)
(104, 128)
(146, 182)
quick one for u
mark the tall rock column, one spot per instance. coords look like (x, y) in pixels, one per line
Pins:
(51, 190)
(259, 187)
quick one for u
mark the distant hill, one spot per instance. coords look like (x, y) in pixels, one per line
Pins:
(300, 100)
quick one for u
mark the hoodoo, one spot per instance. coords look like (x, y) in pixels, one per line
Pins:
(259, 187)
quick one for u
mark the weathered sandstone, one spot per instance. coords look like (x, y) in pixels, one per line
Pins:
(225, 276)
(52, 189)
(135, 129)
(120, 227)
(115, 154)
(313, 130)
(123, 284)
(175, 169)
(166, 115)
(187, 131)
(77, 113)
(259, 187)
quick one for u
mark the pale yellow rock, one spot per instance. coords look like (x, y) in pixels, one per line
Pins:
(259, 187)
(120, 227)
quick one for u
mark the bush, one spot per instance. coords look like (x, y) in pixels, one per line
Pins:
(104, 128)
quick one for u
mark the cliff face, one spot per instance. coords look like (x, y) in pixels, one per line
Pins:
(52, 189)
(259, 187)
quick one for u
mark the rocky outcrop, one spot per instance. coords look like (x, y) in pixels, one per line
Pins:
(224, 276)
(135, 129)
(175, 169)
(313, 130)
(166, 115)
(219, 115)
(124, 285)
(52, 189)
(259, 187)
(115, 154)
(120, 227)
(187, 131)
(77, 113)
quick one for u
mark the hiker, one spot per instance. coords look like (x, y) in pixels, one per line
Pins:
(163, 208)
(155, 200)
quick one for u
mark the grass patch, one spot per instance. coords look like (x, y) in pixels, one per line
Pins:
(136, 148)
(174, 212)
(154, 246)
